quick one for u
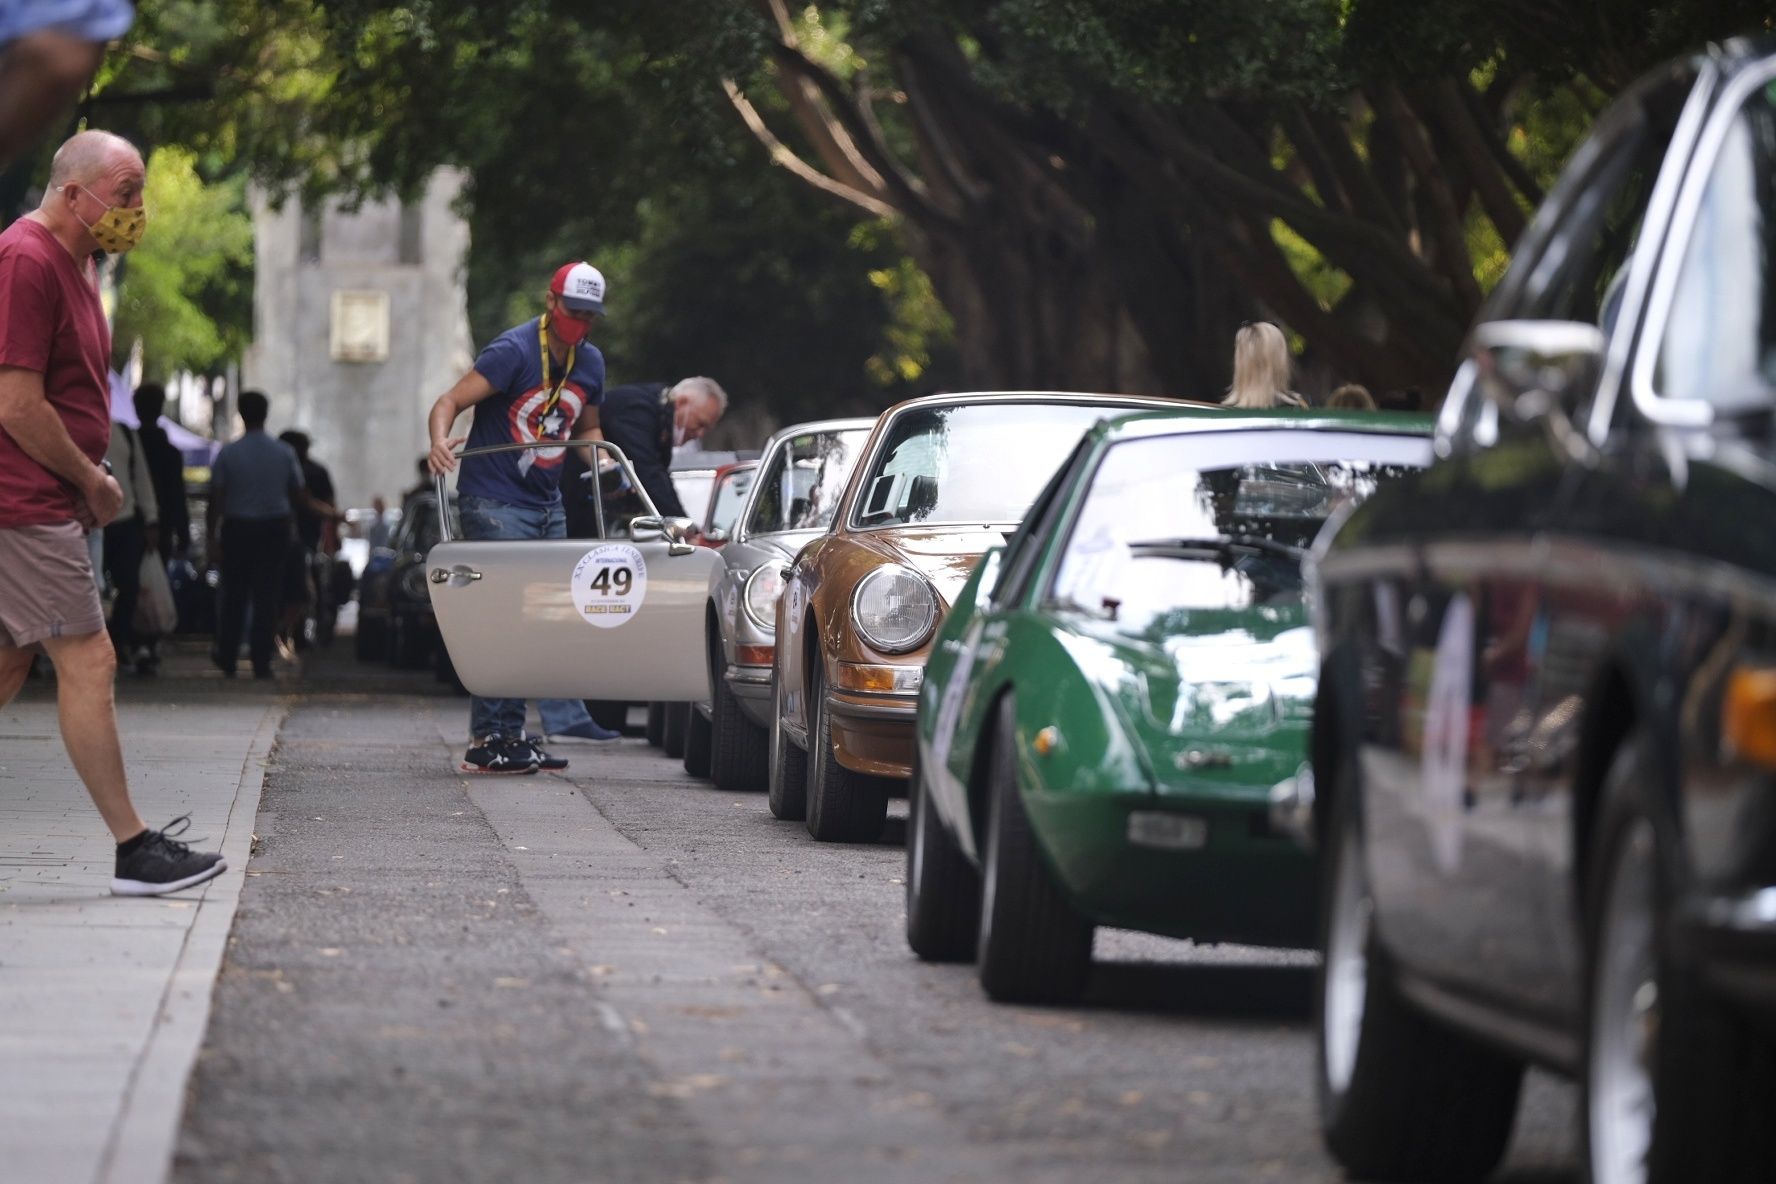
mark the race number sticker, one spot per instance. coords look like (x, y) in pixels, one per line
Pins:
(1444, 771)
(609, 585)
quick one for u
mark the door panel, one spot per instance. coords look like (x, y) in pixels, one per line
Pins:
(574, 618)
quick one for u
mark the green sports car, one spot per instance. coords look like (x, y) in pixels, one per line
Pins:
(1117, 692)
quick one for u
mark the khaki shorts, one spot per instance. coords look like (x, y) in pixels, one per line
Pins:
(46, 585)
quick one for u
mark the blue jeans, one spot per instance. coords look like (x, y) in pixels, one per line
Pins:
(484, 518)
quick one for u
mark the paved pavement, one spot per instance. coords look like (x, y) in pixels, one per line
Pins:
(104, 1000)
(620, 974)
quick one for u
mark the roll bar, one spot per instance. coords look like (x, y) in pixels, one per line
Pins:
(616, 454)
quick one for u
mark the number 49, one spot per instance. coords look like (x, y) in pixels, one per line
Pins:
(609, 579)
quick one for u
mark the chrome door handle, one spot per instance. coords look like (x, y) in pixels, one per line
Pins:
(440, 576)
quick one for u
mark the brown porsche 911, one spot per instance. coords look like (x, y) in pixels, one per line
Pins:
(941, 480)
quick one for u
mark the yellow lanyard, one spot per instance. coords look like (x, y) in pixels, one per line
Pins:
(543, 347)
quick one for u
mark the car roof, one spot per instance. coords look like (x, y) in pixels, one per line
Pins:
(1222, 419)
(1060, 397)
(855, 423)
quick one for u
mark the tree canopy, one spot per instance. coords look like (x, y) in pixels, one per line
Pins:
(1097, 191)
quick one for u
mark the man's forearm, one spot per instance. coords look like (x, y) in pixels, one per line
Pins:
(44, 438)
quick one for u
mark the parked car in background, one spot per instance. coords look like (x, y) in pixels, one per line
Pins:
(395, 617)
(799, 482)
(1545, 742)
(732, 484)
(941, 480)
(1115, 695)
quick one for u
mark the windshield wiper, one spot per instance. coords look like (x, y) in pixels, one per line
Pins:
(1223, 544)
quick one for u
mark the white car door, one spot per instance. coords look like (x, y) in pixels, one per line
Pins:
(575, 618)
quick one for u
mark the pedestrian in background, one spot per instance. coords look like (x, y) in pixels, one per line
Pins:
(255, 484)
(129, 535)
(166, 470)
(55, 411)
(1261, 369)
(316, 535)
(1351, 397)
(533, 382)
(377, 533)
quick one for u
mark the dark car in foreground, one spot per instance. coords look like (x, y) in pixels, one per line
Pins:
(1545, 738)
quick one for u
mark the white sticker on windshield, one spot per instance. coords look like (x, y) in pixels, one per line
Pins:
(609, 585)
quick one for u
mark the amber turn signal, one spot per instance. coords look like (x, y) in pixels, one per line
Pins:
(1748, 717)
(1047, 740)
(754, 655)
(879, 680)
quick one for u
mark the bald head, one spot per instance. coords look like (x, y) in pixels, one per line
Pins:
(86, 156)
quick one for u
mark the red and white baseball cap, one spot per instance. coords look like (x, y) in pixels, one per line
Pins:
(580, 286)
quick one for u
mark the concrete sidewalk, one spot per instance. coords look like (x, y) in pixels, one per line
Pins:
(104, 1000)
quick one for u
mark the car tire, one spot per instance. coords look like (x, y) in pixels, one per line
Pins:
(843, 806)
(656, 724)
(609, 713)
(942, 887)
(740, 758)
(673, 726)
(1032, 946)
(1681, 1093)
(699, 736)
(1401, 1096)
(786, 790)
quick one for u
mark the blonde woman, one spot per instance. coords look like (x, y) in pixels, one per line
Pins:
(1261, 369)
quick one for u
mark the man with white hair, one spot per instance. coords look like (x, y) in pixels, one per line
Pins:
(647, 420)
(55, 423)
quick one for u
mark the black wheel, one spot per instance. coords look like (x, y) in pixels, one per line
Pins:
(1676, 1086)
(786, 790)
(843, 806)
(674, 724)
(656, 724)
(698, 738)
(942, 887)
(412, 646)
(370, 643)
(1401, 1096)
(1033, 945)
(608, 713)
(740, 758)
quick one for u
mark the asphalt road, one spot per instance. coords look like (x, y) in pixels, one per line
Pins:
(620, 974)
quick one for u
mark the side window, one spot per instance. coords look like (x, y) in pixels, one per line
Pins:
(1718, 343)
(1022, 550)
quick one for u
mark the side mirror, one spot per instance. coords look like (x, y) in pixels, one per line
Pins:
(1533, 369)
(717, 535)
(649, 528)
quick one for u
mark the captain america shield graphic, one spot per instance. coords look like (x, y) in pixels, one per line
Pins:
(531, 418)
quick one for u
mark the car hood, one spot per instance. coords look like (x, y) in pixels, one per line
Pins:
(1222, 702)
(942, 554)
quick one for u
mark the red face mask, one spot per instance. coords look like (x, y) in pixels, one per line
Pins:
(570, 329)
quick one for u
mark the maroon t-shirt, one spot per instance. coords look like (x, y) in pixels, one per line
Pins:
(51, 321)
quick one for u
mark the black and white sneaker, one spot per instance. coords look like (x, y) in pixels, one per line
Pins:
(158, 863)
(496, 754)
(545, 762)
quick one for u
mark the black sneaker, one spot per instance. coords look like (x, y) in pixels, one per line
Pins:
(160, 863)
(545, 762)
(496, 754)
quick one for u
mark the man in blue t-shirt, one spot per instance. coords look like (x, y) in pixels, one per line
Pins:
(537, 381)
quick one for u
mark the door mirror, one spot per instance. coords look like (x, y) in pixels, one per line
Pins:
(649, 528)
(1532, 369)
(716, 535)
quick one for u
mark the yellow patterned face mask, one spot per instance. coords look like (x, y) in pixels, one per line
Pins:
(118, 229)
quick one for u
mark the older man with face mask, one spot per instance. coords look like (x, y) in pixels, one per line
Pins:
(647, 420)
(55, 423)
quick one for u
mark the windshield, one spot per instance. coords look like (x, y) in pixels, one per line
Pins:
(803, 481)
(981, 463)
(730, 495)
(1214, 520)
(694, 487)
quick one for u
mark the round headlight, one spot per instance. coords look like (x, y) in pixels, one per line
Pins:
(763, 587)
(894, 609)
